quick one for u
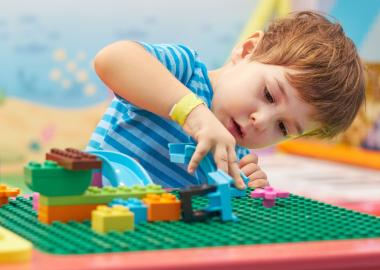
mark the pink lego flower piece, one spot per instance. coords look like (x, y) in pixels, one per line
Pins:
(269, 195)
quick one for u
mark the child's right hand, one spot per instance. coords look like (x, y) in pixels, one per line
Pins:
(210, 134)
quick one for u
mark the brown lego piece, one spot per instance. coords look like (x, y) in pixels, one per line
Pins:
(73, 159)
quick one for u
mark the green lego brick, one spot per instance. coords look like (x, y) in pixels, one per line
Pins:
(96, 195)
(50, 179)
(295, 219)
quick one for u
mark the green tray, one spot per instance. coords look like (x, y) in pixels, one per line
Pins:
(295, 219)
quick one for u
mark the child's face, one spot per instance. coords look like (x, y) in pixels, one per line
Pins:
(255, 102)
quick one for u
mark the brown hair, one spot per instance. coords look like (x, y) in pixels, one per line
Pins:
(330, 74)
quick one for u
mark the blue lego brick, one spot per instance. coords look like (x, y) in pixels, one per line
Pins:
(182, 153)
(135, 205)
(221, 199)
(239, 192)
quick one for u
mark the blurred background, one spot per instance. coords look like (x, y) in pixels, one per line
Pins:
(51, 97)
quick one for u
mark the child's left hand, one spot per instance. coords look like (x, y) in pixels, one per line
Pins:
(257, 178)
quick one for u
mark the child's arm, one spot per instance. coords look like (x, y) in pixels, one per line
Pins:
(134, 74)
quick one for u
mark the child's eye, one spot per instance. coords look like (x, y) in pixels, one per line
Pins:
(268, 96)
(283, 129)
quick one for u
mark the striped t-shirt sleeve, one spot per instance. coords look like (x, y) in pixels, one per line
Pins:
(241, 152)
(178, 59)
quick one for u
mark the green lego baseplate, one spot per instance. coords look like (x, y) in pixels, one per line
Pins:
(295, 219)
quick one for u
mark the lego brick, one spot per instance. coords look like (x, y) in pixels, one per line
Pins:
(65, 213)
(186, 196)
(36, 200)
(116, 218)
(221, 199)
(104, 195)
(295, 219)
(239, 192)
(164, 207)
(73, 159)
(6, 192)
(135, 205)
(14, 248)
(269, 195)
(50, 179)
(182, 153)
(3, 200)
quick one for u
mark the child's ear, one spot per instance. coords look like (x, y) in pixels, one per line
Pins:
(247, 47)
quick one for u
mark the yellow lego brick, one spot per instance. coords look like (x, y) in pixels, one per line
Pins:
(116, 218)
(164, 207)
(14, 248)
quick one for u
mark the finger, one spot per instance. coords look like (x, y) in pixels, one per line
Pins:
(250, 158)
(250, 169)
(200, 151)
(259, 183)
(221, 158)
(233, 168)
(258, 175)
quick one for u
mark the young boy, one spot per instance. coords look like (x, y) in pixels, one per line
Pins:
(301, 77)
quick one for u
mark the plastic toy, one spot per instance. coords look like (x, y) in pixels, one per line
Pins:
(219, 200)
(65, 213)
(269, 195)
(296, 219)
(79, 208)
(51, 179)
(116, 218)
(36, 200)
(186, 196)
(73, 159)
(104, 195)
(182, 153)
(119, 169)
(13, 248)
(164, 207)
(135, 205)
(6, 192)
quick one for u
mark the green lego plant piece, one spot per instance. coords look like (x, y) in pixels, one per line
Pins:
(104, 195)
(50, 179)
(296, 219)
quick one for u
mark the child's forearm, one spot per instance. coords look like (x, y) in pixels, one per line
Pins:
(132, 73)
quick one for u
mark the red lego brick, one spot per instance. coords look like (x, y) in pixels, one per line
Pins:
(73, 159)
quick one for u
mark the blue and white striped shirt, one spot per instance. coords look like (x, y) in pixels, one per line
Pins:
(145, 136)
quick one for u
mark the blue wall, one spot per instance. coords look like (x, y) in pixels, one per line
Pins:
(47, 47)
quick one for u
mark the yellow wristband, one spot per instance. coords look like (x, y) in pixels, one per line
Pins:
(183, 108)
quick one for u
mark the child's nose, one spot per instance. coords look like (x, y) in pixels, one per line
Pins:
(259, 121)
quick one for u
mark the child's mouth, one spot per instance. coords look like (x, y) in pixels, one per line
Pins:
(236, 129)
